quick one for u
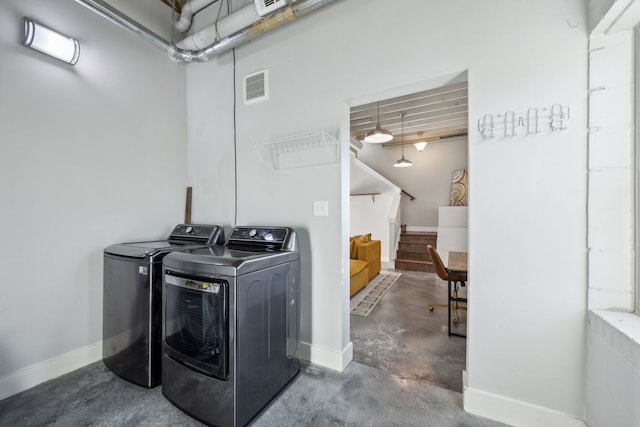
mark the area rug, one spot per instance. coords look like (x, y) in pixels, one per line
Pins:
(364, 301)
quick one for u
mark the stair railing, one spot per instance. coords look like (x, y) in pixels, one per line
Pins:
(394, 227)
(412, 198)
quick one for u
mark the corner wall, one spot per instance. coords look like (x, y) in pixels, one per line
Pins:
(90, 155)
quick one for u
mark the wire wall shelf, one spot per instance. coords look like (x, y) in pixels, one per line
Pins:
(309, 149)
(532, 122)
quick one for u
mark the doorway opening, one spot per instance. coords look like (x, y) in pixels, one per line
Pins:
(401, 208)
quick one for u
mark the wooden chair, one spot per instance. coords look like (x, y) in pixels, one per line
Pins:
(458, 278)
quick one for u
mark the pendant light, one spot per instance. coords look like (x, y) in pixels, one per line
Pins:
(378, 135)
(420, 146)
(402, 163)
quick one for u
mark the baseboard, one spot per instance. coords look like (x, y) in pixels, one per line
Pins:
(326, 357)
(515, 412)
(33, 375)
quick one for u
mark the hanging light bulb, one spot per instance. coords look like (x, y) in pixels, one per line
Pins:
(402, 163)
(378, 135)
(420, 145)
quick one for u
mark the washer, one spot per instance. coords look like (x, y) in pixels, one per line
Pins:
(231, 324)
(132, 306)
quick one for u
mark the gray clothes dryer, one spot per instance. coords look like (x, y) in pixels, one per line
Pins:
(231, 324)
(132, 301)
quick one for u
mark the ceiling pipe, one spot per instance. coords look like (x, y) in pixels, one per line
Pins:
(188, 10)
(222, 28)
(270, 22)
(114, 16)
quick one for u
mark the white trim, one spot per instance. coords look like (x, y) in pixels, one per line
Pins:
(636, 163)
(38, 373)
(515, 412)
(326, 357)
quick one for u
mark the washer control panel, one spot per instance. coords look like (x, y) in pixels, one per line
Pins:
(260, 235)
(209, 234)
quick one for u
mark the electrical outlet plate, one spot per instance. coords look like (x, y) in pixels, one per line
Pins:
(321, 208)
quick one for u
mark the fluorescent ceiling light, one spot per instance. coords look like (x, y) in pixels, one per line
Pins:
(50, 42)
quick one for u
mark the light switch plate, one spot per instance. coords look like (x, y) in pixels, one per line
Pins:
(321, 208)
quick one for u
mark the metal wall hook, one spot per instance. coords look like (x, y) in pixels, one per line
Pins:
(508, 124)
(532, 121)
(486, 126)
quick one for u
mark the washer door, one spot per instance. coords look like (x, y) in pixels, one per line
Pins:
(196, 323)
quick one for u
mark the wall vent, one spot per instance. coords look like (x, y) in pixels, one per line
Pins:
(256, 87)
(265, 7)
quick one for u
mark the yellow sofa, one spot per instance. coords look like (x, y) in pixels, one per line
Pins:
(365, 261)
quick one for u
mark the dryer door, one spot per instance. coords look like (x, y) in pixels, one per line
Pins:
(196, 323)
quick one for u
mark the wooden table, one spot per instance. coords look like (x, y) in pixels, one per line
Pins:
(457, 261)
(456, 266)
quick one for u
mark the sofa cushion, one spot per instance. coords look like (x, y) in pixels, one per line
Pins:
(359, 273)
(353, 246)
(356, 266)
(355, 242)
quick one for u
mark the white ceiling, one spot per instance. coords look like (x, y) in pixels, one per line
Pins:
(437, 113)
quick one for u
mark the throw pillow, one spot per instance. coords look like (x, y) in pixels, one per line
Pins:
(353, 249)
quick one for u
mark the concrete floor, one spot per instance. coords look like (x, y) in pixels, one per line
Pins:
(360, 396)
(402, 337)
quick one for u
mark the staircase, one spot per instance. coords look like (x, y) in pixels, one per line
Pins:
(412, 252)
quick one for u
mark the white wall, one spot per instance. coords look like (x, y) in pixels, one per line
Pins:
(372, 216)
(613, 350)
(527, 194)
(89, 156)
(611, 171)
(527, 221)
(428, 180)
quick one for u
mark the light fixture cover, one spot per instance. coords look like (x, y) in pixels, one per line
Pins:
(378, 135)
(420, 145)
(403, 163)
(50, 42)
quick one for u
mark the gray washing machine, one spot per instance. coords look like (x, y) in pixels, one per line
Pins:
(231, 324)
(132, 305)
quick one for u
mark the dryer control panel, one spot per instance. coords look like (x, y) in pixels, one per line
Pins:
(267, 237)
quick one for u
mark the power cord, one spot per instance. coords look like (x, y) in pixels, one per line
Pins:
(235, 134)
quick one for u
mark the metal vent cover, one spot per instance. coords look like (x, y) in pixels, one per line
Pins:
(256, 87)
(265, 7)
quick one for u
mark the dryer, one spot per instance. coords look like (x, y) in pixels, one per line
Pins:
(231, 324)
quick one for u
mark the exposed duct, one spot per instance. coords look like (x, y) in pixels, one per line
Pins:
(188, 10)
(267, 23)
(224, 27)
